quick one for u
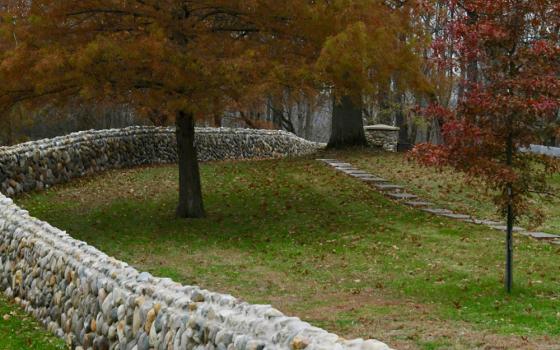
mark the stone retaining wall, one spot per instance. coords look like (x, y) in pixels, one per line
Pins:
(98, 302)
(38, 164)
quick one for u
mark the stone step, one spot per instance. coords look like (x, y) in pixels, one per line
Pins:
(371, 179)
(486, 222)
(387, 187)
(437, 211)
(401, 195)
(361, 176)
(555, 242)
(541, 235)
(346, 168)
(504, 228)
(470, 220)
(366, 175)
(342, 166)
(355, 172)
(456, 216)
(419, 204)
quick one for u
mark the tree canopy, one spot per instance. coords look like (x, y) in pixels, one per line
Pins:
(193, 59)
(197, 55)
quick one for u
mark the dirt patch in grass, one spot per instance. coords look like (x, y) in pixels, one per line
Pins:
(405, 324)
(229, 271)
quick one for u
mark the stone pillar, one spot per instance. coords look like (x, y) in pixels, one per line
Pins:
(382, 136)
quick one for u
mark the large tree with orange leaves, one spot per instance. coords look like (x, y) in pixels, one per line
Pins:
(192, 58)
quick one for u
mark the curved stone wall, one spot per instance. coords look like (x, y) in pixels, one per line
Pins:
(98, 302)
(38, 164)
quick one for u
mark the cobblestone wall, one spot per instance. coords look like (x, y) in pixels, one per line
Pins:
(97, 302)
(38, 164)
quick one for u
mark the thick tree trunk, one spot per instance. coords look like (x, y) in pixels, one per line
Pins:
(347, 124)
(404, 143)
(10, 137)
(217, 120)
(190, 192)
(277, 117)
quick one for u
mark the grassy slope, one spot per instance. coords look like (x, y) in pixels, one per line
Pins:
(321, 246)
(449, 189)
(19, 331)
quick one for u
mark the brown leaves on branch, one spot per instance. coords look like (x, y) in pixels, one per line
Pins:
(199, 56)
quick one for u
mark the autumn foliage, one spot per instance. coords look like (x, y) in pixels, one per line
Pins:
(194, 59)
(510, 97)
(201, 56)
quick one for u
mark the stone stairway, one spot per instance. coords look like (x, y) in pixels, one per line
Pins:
(398, 193)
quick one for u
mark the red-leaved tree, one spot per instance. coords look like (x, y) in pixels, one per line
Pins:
(510, 98)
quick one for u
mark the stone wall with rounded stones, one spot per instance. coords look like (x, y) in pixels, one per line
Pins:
(382, 136)
(38, 164)
(97, 302)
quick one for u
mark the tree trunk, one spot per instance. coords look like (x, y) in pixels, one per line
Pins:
(404, 143)
(385, 113)
(435, 135)
(308, 129)
(472, 65)
(347, 124)
(10, 136)
(400, 119)
(190, 192)
(217, 120)
(510, 221)
(276, 117)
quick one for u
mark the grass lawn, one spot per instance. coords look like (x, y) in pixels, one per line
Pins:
(20, 331)
(322, 246)
(449, 188)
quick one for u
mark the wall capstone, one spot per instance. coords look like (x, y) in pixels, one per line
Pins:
(97, 302)
(382, 136)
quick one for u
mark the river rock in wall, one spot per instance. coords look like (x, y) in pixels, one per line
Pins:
(39, 164)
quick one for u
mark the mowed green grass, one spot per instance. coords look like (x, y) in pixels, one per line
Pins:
(20, 331)
(450, 189)
(322, 246)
